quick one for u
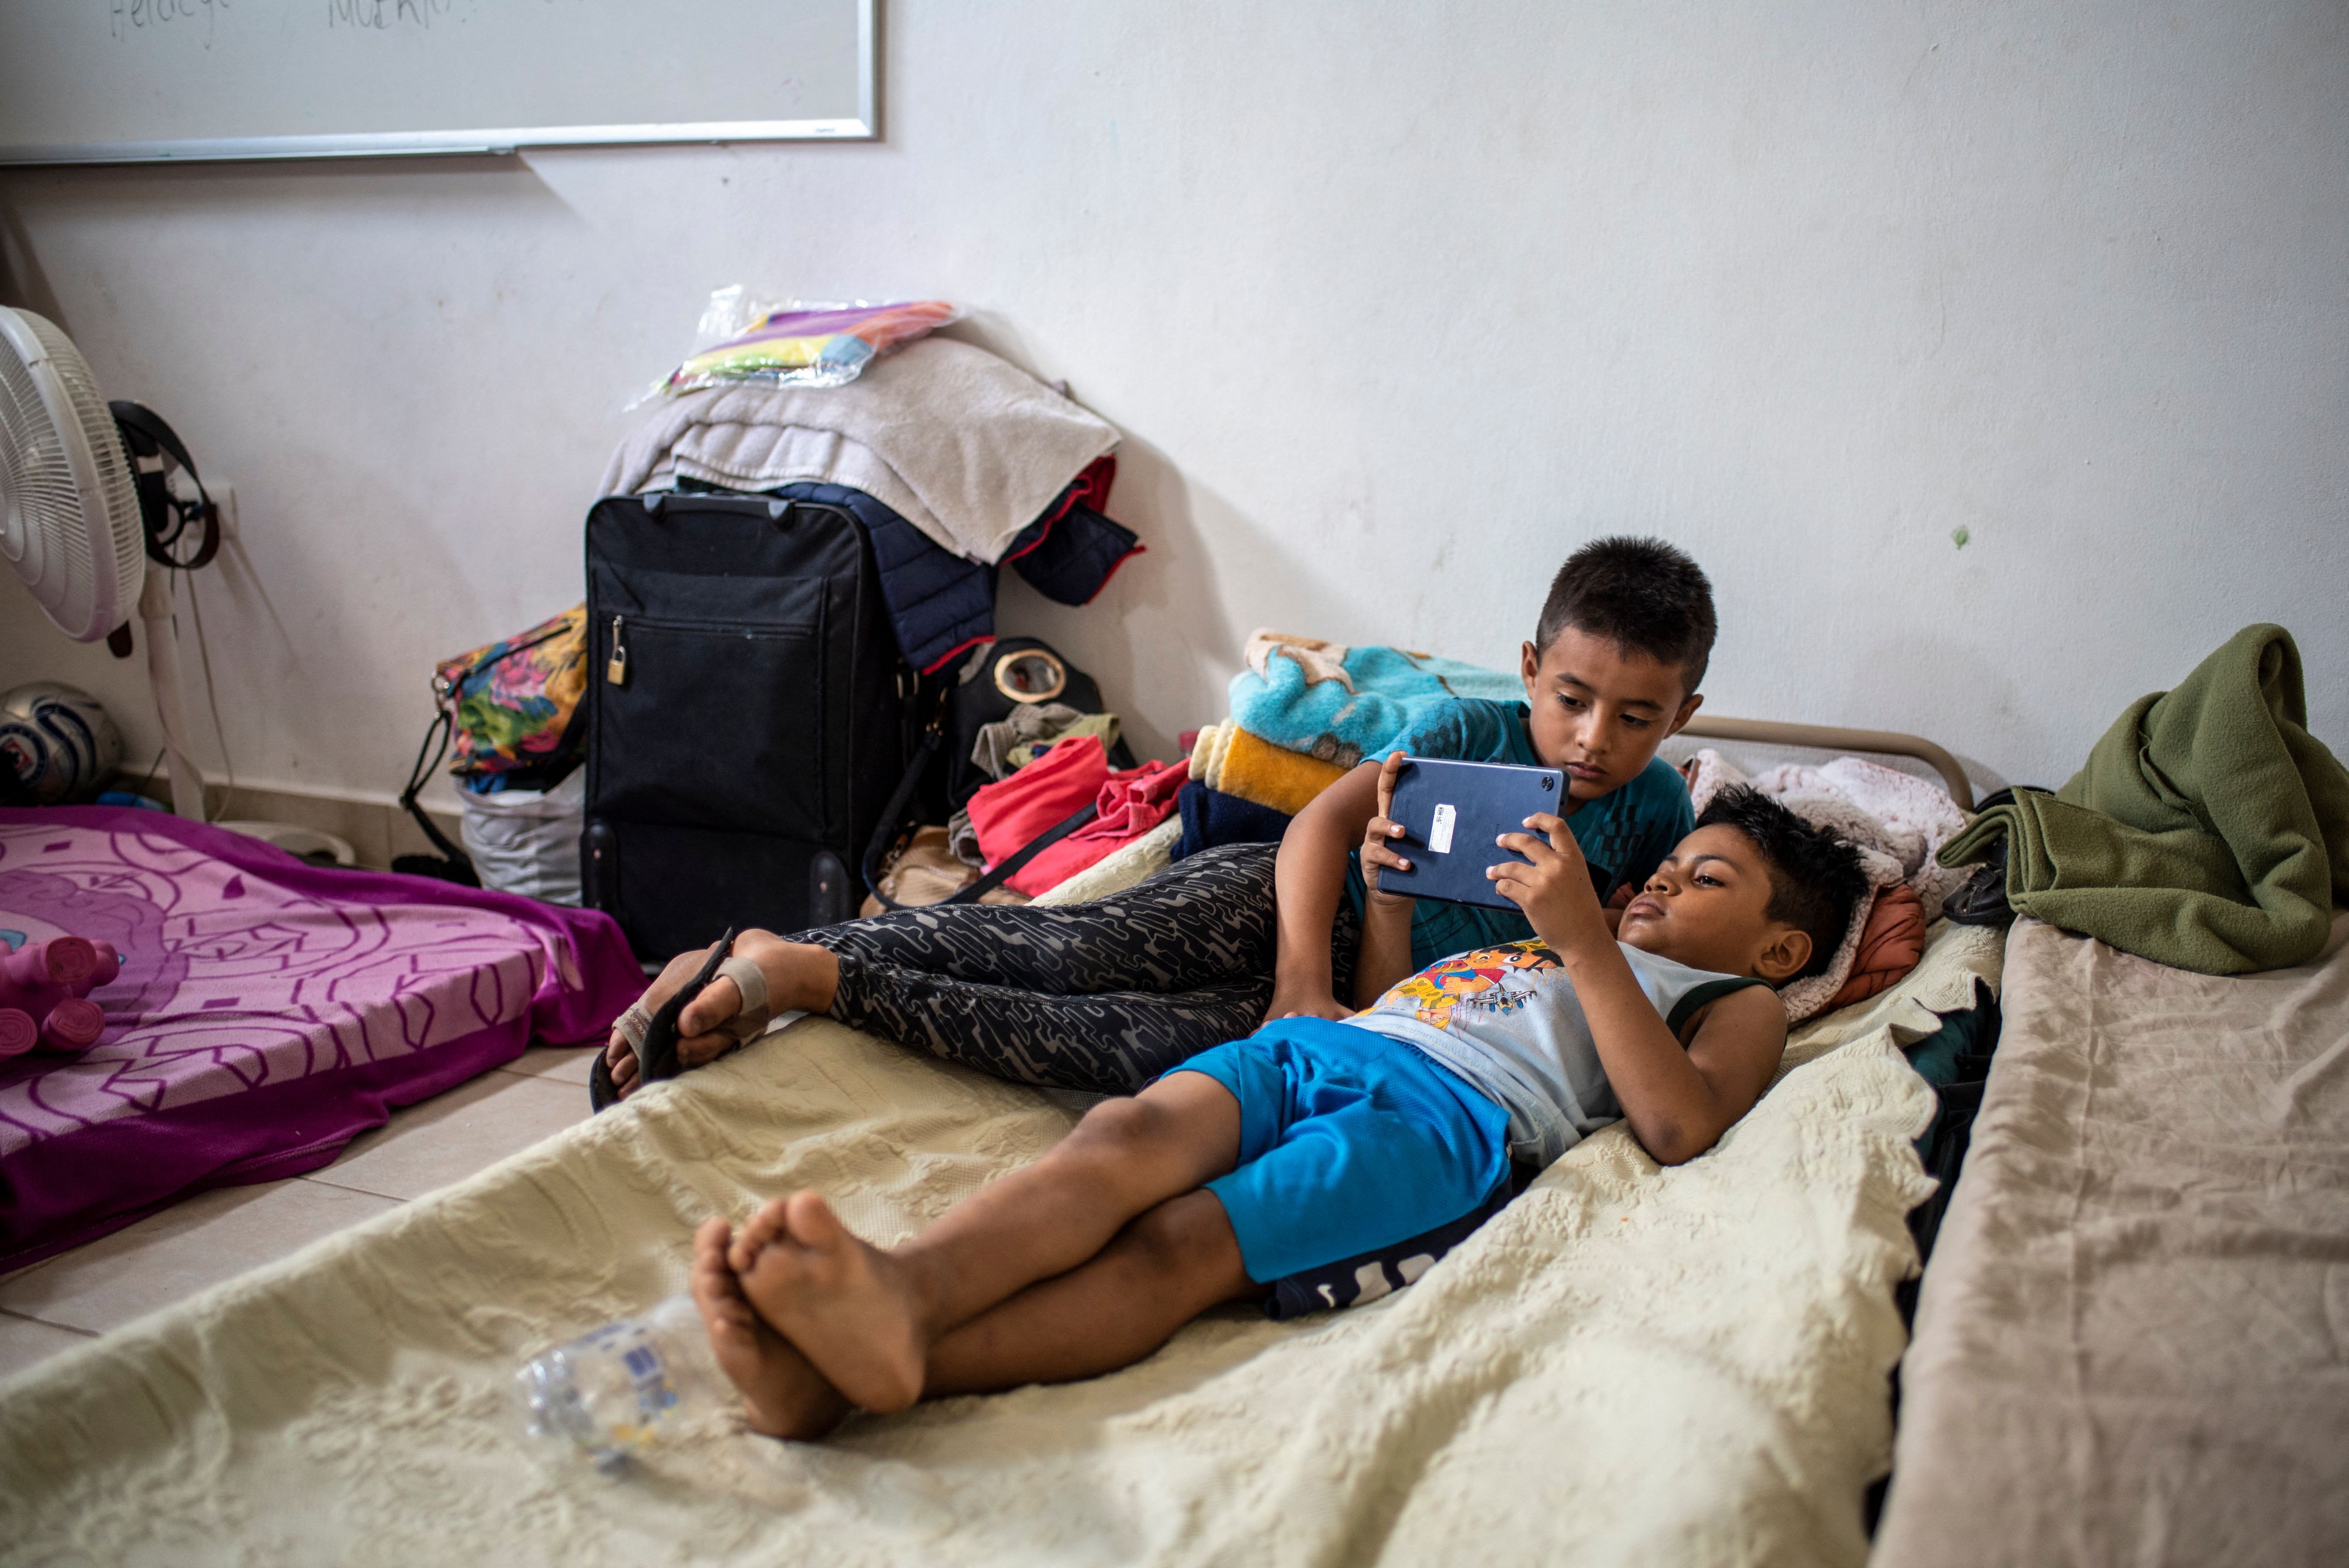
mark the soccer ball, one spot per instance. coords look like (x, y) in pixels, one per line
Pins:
(57, 740)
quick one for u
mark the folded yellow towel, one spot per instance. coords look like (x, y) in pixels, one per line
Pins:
(1228, 758)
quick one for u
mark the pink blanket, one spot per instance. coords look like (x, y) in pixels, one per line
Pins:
(267, 1010)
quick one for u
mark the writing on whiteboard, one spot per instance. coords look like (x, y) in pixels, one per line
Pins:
(382, 15)
(127, 17)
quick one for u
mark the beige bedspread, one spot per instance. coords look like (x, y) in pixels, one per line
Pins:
(1628, 1365)
(2133, 1344)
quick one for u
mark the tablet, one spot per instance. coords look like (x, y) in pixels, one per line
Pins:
(1450, 813)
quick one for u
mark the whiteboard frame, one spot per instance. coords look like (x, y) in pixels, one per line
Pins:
(865, 127)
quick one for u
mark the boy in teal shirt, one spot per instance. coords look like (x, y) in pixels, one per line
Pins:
(1613, 669)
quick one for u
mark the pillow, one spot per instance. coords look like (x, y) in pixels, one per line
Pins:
(1890, 946)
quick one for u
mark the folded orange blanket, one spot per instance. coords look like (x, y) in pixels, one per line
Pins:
(1890, 946)
(1255, 769)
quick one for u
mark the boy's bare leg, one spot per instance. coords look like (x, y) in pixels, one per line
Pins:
(1165, 1268)
(867, 1318)
(1162, 1271)
(799, 975)
(782, 1395)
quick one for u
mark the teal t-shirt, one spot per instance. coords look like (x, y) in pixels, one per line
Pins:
(1623, 833)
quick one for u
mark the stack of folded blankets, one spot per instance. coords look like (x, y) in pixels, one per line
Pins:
(1304, 713)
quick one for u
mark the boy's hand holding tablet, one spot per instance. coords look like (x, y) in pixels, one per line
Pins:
(1471, 832)
(1377, 858)
(1451, 816)
(1552, 883)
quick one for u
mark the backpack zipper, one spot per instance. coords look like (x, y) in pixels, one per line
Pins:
(615, 667)
(445, 690)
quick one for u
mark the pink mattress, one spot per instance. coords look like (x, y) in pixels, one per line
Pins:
(267, 1010)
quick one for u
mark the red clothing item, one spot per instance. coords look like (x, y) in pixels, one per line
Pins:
(1010, 814)
(1137, 800)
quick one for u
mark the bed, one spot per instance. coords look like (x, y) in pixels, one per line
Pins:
(1627, 1364)
(2131, 1335)
(267, 1010)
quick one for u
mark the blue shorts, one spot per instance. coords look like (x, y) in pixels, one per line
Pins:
(1350, 1142)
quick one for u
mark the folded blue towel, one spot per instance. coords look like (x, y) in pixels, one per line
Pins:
(1393, 691)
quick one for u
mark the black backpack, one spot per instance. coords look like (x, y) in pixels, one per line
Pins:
(747, 714)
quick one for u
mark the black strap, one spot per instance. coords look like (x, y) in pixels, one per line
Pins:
(1705, 993)
(887, 832)
(893, 820)
(971, 893)
(437, 736)
(145, 432)
(442, 724)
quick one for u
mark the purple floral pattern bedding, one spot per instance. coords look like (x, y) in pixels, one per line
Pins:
(267, 1009)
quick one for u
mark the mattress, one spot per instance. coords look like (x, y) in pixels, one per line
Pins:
(1627, 1364)
(2130, 1346)
(267, 1009)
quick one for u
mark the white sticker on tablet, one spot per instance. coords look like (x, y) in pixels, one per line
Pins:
(1439, 837)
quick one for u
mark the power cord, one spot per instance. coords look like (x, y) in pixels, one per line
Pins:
(212, 696)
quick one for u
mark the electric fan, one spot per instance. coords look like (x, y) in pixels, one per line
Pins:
(69, 517)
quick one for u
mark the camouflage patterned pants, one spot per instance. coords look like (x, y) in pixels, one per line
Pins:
(1103, 996)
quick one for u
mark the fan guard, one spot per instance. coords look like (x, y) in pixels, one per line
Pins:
(69, 519)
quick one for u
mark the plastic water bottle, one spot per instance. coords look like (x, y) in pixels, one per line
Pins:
(624, 1385)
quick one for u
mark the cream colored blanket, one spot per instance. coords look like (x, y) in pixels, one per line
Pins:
(965, 447)
(1629, 1365)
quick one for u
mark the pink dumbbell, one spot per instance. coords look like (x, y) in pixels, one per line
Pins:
(60, 961)
(72, 1026)
(44, 991)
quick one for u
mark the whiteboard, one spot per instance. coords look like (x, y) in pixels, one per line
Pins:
(118, 80)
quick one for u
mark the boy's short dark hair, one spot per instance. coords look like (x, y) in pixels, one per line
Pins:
(1815, 879)
(1642, 594)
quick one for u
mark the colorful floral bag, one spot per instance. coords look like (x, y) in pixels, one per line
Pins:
(511, 703)
(509, 707)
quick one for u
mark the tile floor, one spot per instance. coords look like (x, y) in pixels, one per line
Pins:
(169, 1256)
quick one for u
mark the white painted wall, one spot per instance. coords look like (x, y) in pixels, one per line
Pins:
(1395, 303)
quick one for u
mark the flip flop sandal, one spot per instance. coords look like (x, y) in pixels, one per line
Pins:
(654, 1038)
(602, 1094)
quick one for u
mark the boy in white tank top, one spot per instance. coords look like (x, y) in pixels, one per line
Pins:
(1254, 1170)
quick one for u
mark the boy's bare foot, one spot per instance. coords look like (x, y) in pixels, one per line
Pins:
(847, 1307)
(800, 976)
(782, 1395)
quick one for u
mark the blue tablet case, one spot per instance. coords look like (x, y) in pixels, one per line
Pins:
(1450, 813)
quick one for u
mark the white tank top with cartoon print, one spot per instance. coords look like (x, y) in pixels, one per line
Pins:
(1506, 1019)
